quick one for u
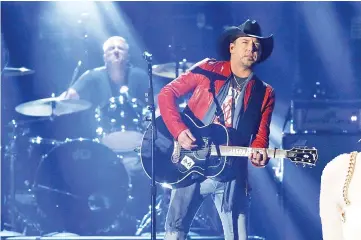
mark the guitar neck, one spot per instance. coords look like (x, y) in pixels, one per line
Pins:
(233, 151)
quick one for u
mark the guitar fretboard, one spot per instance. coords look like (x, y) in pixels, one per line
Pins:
(232, 151)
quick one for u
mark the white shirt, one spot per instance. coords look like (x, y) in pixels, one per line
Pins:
(332, 203)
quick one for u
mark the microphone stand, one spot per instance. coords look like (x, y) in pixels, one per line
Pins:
(148, 57)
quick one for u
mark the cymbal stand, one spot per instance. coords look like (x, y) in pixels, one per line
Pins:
(4, 55)
(146, 221)
(11, 153)
(175, 52)
(53, 106)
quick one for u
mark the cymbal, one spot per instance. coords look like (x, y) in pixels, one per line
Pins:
(52, 106)
(167, 70)
(15, 72)
(6, 233)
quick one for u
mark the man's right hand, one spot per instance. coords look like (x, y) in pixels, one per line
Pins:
(70, 94)
(187, 140)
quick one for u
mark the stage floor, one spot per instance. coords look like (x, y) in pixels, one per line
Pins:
(160, 237)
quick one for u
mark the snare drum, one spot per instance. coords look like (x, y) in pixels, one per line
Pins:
(81, 186)
(119, 124)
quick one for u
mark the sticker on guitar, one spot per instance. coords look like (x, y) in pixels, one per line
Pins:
(187, 162)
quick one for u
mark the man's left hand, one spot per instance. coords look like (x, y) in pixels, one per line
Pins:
(259, 158)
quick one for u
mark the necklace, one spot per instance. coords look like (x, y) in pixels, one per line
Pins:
(346, 185)
(239, 86)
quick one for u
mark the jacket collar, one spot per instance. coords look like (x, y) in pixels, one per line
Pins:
(226, 69)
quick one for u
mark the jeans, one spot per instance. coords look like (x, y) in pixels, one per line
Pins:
(185, 202)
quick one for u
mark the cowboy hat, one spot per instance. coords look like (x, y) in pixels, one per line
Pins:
(247, 29)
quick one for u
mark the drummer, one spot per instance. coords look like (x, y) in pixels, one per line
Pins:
(117, 75)
(100, 84)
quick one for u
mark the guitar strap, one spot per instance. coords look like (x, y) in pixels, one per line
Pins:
(215, 109)
(249, 121)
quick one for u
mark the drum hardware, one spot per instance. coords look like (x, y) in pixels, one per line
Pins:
(169, 70)
(15, 124)
(40, 140)
(119, 125)
(18, 129)
(50, 107)
(100, 206)
(204, 221)
(124, 224)
(43, 187)
(16, 72)
(74, 183)
(26, 224)
(25, 198)
(147, 219)
(5, 59)
(11, 154)
(4, 54)
(130, 185)
(6, 233)
(12, 158)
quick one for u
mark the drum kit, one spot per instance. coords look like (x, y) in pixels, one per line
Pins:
(80, 185)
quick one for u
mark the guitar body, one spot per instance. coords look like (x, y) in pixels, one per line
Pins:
(176, 166)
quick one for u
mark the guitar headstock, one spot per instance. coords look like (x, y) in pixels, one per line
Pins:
(304, 155)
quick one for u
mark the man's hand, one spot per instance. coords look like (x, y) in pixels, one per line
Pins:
(259, 158)
(70, 94)
(187, 140)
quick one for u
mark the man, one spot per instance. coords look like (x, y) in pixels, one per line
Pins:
(227, 92)
(100, 84)
(340, 198)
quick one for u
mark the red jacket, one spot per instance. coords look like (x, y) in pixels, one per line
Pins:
(201, 99)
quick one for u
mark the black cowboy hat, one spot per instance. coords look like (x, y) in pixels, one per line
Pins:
(247, 29)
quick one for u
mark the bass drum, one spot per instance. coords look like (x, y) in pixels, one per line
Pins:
(80, 187)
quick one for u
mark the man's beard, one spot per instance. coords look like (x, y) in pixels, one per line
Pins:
(248, 64)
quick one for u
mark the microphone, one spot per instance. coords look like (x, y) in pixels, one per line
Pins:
(147, 56)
